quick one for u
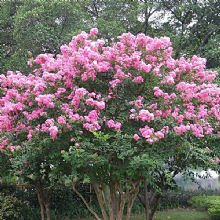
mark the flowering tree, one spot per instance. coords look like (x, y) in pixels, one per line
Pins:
(116, 108)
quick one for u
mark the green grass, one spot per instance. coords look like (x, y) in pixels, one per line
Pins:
(174, 214)
(182, 215)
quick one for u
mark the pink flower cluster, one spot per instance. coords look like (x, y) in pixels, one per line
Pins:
(114, 125)
(92, 121)
(150, 135)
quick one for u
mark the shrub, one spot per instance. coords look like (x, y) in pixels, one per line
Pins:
(210, 203)
(214, 212)
(10, 207)
(204, 202)
(180, 198)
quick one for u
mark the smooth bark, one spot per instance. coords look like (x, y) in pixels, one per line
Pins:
(43, 200)
(112, 200)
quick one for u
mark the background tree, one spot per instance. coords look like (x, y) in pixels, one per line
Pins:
(193, 25)
(33, 27)
(7, 44)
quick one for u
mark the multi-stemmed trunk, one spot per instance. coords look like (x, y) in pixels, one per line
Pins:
(112, 200)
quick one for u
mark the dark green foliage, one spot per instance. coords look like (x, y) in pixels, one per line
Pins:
(28, 28)
(10, 207)
(64, 202)
(28, 204)
(4, 165)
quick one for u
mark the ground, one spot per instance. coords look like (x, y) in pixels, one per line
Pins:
(177, 215)
(174, 214)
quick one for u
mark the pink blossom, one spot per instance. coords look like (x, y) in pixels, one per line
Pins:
(81, 92)
(138, 79)
(41, 59)
(136, 137)
(12, 148)
(146, 132)
(92, 126)
(215, 160)
(159, 134)
(181, 129)
(30, 134)
(145, 67)
(100, 105)
(53, 132)
(170, 80)
(114, 125)
(49, 122)
(77, 145)
(138, 102)
(61, 120)
(114, 83)
(75, 117)
(92, 116)
(158, 92)
(145, 115)
(93, 32)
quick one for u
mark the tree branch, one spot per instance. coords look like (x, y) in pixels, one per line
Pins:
(101, 200)
(86, 204)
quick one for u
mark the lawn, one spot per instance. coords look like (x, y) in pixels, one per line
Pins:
(174, 214)
(179, 214)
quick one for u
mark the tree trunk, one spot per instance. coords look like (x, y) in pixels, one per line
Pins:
(149, 202)
(115, 197)
(112, 200)
(101, 200)
(149, 215)
(118, 199)
(43, 202)
(132, 195)
(42, 212)
(47, 208)
(146, 202)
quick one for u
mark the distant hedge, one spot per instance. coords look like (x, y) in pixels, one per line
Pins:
(210, 203)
